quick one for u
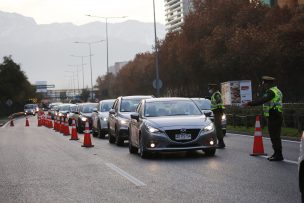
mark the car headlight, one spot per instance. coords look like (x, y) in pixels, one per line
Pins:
(153, 130)
(104, 119)
(84, 119)
(223, 117)
(209, 127)
(124, 122)
(60, 114)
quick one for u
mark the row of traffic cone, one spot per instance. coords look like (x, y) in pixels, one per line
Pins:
(61, 125)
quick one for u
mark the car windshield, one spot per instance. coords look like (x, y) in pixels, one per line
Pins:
(171, 108)
(29, 106)
(88, 108)
(203, 104)
(73, 108)
(129, 105)
(106, 106)
(64, 108)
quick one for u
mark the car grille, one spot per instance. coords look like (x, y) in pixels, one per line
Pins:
(194, 133)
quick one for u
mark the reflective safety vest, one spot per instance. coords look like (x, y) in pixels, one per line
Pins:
(275, 103)
(214, 104)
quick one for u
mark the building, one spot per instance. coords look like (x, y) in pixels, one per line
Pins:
(175, 12)
(117, 67)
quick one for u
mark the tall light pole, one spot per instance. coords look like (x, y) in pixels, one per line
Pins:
(107, 39)
(156, 56)
(90, 51)
(82, 66)
(77, 71)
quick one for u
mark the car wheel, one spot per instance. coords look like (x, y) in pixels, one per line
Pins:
(210, 152)
(119, 141)
(142, 152)
(132, 149)
(94, 133)
(111, 137)
(100, 134)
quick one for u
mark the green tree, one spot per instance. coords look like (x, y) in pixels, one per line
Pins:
(14, 85)
(85, 94)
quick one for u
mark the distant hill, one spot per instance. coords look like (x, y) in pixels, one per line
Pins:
(44, 50)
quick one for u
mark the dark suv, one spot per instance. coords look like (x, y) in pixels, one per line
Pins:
(119, 117)
(85, 111)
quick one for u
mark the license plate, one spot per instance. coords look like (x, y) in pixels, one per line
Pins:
(183, 136)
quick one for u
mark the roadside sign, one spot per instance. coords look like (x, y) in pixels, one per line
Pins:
(160, 84)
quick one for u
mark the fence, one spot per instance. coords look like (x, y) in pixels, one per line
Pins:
(293, 116)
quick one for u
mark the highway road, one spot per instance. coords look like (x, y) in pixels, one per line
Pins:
(38, 164)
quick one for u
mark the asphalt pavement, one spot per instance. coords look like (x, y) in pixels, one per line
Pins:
(38, 164)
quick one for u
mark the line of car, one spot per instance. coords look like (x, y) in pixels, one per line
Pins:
(150, 125)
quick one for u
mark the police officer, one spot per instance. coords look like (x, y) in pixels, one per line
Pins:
(217, 108)
(272, 107)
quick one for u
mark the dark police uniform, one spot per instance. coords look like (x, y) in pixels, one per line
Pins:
(217, 108)
(272, 107)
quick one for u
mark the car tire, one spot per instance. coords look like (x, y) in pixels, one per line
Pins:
(111, 137)
(132, 149)
(100, 133)
(119, 141)
(142, 153)
(94, 133)
(210, 152)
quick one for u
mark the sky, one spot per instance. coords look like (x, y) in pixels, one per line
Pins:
(75, 11)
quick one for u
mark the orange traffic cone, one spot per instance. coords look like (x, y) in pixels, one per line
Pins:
(61, 125)
(51, 122)
(67, 128)
(55, 123)
(12, 123)
(87, 136)
(258, 147)
(39, 121)
(27, 122)
(74, 131)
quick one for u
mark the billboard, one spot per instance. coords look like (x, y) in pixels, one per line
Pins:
(236, 92)
(41, 86)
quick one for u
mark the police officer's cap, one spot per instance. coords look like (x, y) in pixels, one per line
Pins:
(212, 85)
(268, 79)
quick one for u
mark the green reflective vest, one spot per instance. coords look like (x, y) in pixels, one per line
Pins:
(214, 104)
(275, 103)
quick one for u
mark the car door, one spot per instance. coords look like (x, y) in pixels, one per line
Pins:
(137, 124)
(112, 117)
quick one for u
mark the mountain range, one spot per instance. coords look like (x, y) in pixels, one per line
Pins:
(44, 50)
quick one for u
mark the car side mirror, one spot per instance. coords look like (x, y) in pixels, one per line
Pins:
(95, 110)
(135, 116)
(112, 112)
(207, 114)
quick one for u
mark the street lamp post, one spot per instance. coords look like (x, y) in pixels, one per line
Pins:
(156, 56)
(107, 39)
(82, 66)
(77, 71)
(90, 51)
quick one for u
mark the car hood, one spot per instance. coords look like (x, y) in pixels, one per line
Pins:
(173, 122)
(86, 115)
(125, 115)
(103, 114)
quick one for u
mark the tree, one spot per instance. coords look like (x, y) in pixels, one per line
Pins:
(14, 85)
(85, 94)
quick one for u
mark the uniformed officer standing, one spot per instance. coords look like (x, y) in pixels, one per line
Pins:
(217, 108)
(272, 107)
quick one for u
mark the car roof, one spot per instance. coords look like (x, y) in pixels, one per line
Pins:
(199, 98)
(137, 97)
(167, 99)
(88, 103)
(107, 100)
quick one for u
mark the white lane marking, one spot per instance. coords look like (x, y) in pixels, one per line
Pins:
(125, 174)
(298, 142)
(4, 126)
(285, 160)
